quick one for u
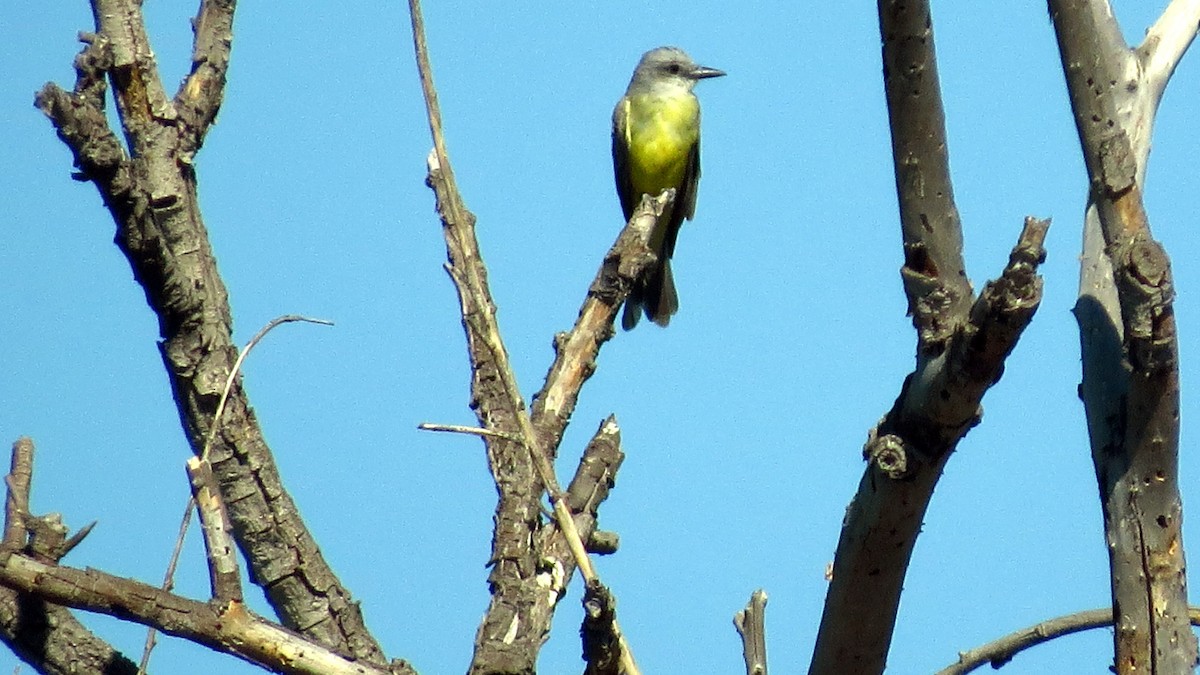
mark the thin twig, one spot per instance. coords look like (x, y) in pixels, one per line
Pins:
(168, 581)
(237, 368)
(999, 652)
(77, 538)
(477, 431)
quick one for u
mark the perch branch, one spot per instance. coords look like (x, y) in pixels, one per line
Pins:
(521, 470)
(575, 351)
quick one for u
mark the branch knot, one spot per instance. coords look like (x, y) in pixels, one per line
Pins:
(891, 454)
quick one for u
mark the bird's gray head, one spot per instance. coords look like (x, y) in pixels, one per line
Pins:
(669, 66)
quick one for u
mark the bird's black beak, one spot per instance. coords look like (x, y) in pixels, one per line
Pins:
(703, 72)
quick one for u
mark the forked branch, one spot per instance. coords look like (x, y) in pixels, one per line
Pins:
(151, 193)
(962, 343)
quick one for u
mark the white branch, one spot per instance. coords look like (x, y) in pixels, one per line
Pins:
(1167, 41)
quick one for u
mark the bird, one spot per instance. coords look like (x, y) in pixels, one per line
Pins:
(655, 146)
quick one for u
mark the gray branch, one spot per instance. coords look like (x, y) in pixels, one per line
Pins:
(962, 344)
(1125, 311)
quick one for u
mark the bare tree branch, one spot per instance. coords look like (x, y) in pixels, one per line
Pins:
(50, 638)
(575, 351)
(906, 452)
(18, 483)
(46, 636)
(1166, 42)
(226, 627)
(589, 488)
(1125, 312)
(999, 652)
(509, 638)
(594, 478)
(934, 273)
(224, 579)
(601, 648)
(151, 193)
(200, 95)
(961, 347)
(751, 624)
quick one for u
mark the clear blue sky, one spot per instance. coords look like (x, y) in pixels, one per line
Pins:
(743, 422)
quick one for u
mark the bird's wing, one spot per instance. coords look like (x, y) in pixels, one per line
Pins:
(620, 155)
(685, 198)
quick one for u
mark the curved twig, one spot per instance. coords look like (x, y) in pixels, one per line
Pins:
(999, 652)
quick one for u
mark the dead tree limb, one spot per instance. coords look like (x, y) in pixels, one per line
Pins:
(1125, 311)
(751, 624)
(509, 638)
(29, 566)
(998, 653)
(151, 193)
(962, 342)
(227, 627)
(44, 635)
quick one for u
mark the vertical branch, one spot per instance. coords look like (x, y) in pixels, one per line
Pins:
(224, 580)
(16, 501)
(962, 342)
(1126, 316)
(934, 273)
(508, 639)
(751, 624)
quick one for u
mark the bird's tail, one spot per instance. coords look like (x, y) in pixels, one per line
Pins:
(657, 297)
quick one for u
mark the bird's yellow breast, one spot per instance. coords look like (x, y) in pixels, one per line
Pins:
(660, 132)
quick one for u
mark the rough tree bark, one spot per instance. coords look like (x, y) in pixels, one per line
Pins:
(151, 193)
(529, 569)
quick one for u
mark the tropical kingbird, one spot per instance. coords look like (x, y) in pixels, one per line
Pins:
(656, 145)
